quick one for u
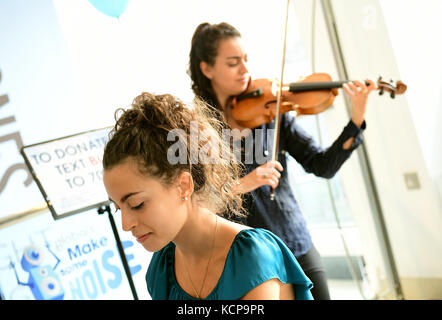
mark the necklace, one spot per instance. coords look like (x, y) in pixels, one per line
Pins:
(198, 295)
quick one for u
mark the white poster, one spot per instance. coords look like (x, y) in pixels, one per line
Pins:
(43, 259)
(69, 171)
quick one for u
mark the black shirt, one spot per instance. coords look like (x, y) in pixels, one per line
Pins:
(282, 216)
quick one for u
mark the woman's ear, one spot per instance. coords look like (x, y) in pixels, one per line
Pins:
(206, 69)
(185, 185)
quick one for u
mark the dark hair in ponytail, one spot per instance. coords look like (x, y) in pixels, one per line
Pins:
(205, 43)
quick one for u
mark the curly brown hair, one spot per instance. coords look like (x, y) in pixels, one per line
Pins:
(141, 133)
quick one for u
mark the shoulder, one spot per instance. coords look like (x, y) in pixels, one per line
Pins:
(258, 256)
(254, 257)
(290, 127)
(261, 244)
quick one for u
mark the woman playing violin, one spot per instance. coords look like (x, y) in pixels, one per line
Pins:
(218, 70)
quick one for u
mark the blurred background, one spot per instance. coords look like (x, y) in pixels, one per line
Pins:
(66, 66)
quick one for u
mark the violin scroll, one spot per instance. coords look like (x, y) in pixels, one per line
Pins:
(383, 86)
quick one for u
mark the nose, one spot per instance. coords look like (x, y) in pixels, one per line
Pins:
(128, 221)
(243, 67)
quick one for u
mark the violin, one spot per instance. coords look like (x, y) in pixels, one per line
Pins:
(311, 95)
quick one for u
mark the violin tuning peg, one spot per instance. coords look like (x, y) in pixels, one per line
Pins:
(392, 95)
(381, 91)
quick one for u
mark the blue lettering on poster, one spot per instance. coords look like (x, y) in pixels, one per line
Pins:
(95, 276)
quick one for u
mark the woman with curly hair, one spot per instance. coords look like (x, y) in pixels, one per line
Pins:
(174, 204)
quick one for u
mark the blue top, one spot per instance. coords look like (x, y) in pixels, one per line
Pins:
(255, 256)
(283, 216)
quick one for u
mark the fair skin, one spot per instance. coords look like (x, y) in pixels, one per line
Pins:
(157, 214)
(227, 76)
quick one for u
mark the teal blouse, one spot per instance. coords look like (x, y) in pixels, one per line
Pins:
(255, 256)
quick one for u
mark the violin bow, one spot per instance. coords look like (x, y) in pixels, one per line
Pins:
(279, 98)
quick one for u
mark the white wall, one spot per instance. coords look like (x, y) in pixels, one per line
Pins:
(394, 136)
(37, 79)
(413, 35)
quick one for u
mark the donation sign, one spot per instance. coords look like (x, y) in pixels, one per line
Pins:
(69, 171)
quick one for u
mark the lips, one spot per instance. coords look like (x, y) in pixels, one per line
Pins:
(244, 80)
(143, 238)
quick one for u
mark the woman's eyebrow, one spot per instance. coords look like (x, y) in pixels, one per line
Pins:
(125, 197)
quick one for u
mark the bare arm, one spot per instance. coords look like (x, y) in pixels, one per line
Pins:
(272, 289)
(268, 290)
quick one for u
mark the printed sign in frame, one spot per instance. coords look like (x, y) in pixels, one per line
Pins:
(69, 171)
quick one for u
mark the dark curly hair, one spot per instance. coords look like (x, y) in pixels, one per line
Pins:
(142, 133)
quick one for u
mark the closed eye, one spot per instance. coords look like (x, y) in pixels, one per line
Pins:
(138, 207)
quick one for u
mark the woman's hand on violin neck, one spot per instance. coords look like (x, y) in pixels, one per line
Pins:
(266, 174)
(358, 93)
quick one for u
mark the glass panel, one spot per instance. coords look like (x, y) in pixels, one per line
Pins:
(333, 229)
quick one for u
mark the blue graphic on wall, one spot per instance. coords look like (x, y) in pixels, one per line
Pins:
(45, 284)
(43, 281)
(75, 258)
